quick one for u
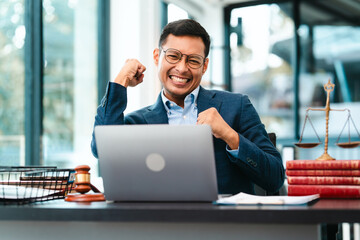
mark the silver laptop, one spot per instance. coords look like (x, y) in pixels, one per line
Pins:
(157, 162)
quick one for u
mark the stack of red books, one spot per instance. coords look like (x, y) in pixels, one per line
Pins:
(330, 179)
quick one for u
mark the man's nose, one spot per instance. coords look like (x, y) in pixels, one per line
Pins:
(182, 64)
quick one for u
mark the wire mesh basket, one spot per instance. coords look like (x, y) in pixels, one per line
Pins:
(22, 185)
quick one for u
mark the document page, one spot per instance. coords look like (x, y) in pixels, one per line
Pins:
(248, 199)
(21, 192)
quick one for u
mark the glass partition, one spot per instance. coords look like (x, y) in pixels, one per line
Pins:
(262, 67)
(330, 51)
(12, 76)
(261, 56)
(70, 81)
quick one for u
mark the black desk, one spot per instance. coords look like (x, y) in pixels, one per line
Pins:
(59, 220)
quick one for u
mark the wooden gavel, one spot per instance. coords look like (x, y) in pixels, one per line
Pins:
(82, 186)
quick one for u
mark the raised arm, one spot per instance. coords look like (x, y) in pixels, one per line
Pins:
(112, 106)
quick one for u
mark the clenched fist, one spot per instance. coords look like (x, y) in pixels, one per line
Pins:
(131, 74)
(219, 127)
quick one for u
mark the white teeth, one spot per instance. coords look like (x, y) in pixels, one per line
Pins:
(177, 79)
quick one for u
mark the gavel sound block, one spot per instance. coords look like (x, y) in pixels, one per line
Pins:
(83, 185)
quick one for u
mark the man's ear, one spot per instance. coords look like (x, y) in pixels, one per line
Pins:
(156, 53)
(206, 63)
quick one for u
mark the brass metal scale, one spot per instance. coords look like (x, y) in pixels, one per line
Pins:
(329, 87)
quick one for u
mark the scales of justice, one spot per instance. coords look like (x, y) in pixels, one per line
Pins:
(329, 87)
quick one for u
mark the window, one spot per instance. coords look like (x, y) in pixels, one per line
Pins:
(12, 75)
(70, 75)
(58, 95)
(261, 63)
(329, 36)
(283, 59)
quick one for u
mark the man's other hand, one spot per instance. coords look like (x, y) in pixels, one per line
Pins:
(219, 127)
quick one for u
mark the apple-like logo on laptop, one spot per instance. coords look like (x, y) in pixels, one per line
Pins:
(155, 162)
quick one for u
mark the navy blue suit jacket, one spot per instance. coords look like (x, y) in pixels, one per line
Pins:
(257, 162)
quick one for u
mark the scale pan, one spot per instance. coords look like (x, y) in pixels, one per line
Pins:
(348, 144)
(307, 145)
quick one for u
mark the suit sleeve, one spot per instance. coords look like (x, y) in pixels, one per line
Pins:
(257, 157)
(111, 109)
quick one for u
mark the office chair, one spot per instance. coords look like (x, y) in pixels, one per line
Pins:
(258, 190)
(272, 137)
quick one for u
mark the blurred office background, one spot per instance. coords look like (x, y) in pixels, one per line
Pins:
(56, 57)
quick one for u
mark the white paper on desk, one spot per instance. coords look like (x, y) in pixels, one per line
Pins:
(248, 199)
(21, 192)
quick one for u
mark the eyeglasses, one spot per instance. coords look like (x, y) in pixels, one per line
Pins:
(173, 56)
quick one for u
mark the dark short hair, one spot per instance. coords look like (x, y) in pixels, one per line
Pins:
(185, 27)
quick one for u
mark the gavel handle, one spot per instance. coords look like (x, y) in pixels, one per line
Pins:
(94, 189)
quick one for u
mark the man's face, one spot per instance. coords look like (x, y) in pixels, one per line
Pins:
(179, 79)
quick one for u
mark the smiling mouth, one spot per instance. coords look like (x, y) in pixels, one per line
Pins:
(179, 79)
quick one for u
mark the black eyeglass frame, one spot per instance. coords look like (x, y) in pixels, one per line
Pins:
(181, 56)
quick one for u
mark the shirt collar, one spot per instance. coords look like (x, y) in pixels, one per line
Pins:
(193, 96)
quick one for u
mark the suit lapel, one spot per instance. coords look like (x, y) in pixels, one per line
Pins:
(206, 100)
(156, 113)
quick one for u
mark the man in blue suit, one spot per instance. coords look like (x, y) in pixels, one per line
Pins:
(243, 152)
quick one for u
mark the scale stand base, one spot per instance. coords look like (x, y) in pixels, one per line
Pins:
(325, 157)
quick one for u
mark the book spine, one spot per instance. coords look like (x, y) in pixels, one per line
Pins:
(325, 191)
(313, 164)
(327, 180)
(330, 172)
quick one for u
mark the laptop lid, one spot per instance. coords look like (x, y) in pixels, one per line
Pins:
(157, 162)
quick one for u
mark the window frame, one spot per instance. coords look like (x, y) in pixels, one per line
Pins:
(34, 78)
(33, 81)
